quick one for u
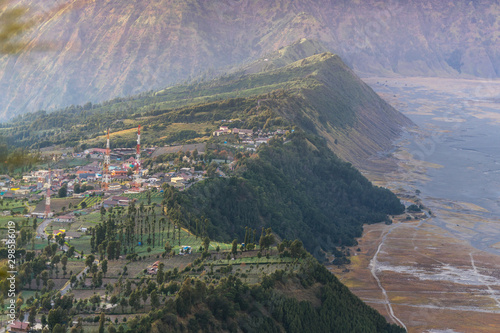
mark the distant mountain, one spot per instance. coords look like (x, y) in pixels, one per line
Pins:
(108, 48)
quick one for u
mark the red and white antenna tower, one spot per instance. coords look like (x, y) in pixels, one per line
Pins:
(106, 165)
(137, 175)
(47, 198)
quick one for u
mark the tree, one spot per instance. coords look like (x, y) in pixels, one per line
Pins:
(93, 269)
(58, 328)
(246, 241)
(206, 244)
(83, 205)
(123, 303)
(101, 249)
(45, 277)
(89, 260)
(61, 239)
(159, 274)
(99, 279)
(168, 247)
(134, 300)
(32, 315)
(234, 247)
(71, 251)
(211, 170)
(63, 191)
(56, 316)
(104, 266)
(111, 250)
(296, 249)
(50, 284)
(64, 262)
(102, 321)
(155, 301)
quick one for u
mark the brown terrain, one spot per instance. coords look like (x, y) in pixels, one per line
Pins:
(418, 274)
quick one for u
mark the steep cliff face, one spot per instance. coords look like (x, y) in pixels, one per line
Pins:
(336, 104)
(107, 48)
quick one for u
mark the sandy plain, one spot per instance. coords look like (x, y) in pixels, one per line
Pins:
(439, 273)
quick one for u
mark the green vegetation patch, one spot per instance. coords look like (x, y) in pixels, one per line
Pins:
(300, 189)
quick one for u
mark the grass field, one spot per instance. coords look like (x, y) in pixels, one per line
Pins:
(81, 244)
(90, 202)
(15, 205)
(86, 221)
(57, 204)
(156, 197)
(20, 221)
(72, 162)
(5, 219)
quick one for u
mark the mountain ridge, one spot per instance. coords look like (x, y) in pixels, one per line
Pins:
(320, 94)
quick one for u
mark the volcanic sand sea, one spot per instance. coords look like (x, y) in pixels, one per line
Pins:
(439, 272)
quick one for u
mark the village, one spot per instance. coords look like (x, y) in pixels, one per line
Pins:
(105, 177)
(67, 198)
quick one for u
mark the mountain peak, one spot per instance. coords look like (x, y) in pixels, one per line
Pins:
(299, 50)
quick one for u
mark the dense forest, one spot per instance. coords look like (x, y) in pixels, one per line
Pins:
(299, 188)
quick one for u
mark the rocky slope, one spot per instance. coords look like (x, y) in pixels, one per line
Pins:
(107, 48)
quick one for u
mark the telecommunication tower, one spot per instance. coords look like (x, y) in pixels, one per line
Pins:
(137, 175)
(107, 162)
(47, 198)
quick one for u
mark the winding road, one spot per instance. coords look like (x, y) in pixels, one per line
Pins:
(373, 265)
(40, 230)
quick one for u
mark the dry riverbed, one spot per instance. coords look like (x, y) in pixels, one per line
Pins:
(429, 279)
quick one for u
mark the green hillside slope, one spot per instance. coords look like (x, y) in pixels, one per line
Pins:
(300, 189)
(320, 303)
(319, 94)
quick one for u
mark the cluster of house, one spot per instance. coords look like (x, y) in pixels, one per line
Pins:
(67, 234)
(153, 269)
(118, 172)
(248, 136)
(185, 249)
(224, 130)
(116, 200)
(183, 177)
(22, 327)
(118, 154)
(35, 184)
